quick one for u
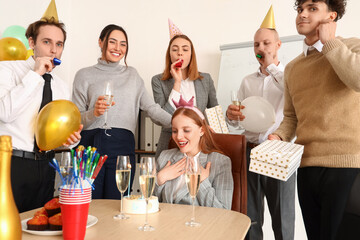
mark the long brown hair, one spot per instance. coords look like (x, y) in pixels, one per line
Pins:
(104, 37)
(193, 72)
(207, 144)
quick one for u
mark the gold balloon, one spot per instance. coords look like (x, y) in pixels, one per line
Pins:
(29, 53)
(12, 49)
(55, 122)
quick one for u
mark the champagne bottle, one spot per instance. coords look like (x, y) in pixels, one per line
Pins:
(10, 228)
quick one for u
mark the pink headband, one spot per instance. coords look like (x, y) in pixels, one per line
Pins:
(189, 105)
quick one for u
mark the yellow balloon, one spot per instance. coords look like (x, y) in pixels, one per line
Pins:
(29, 53)
(55, 122)
(12, 49)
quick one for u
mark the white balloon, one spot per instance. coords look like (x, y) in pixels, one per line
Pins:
(259, 114)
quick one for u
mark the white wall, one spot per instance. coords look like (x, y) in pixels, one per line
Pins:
(209, 23)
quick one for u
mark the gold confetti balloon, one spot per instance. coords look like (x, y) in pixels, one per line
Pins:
(55, 123)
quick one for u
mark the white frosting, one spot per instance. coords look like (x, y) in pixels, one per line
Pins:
(135, 205)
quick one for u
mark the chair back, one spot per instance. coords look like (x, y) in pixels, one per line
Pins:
(233, 146)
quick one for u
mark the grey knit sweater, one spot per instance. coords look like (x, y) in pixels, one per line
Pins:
(130, 95)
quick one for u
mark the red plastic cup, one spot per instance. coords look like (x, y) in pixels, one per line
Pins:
(74, 212)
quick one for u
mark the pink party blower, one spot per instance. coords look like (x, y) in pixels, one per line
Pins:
(74, 210)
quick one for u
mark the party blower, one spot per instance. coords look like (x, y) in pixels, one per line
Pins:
(75, 190)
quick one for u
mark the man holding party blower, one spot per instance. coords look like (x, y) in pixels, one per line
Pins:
(25, 87)
(267, 82)
(322, 96)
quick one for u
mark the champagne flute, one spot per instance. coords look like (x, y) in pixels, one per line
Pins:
(108, 98)
(192, 178)
(65, 165)
(235, 100)
(147, 183)
(123, 169)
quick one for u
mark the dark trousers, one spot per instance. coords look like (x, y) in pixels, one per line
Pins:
(280, 197)
(32, 182)
(121, 142)
(350, 225)
(323, 194)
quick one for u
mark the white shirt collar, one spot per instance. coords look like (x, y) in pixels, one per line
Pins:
(196, 155)
(318, 46)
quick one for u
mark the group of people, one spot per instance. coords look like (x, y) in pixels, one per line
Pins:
(315, 98)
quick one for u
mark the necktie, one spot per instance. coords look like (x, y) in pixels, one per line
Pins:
(46, 98)
(47, 93)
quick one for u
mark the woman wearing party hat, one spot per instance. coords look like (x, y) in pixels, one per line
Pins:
(181, 77)
(111, 130)
(193, 138)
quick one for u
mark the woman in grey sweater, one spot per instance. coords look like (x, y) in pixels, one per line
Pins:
(129, 97)
(181, 77)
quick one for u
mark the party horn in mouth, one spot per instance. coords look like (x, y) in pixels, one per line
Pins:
(56, 61)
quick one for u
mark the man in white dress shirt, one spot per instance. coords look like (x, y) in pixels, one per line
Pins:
(267, 82)
(21, 94)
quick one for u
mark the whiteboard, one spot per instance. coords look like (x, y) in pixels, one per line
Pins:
(238, 60)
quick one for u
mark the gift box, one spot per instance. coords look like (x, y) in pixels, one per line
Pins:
(216, 119)
(276, 159)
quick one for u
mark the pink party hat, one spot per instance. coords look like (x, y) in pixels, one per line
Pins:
(189, 105)
(174, 30)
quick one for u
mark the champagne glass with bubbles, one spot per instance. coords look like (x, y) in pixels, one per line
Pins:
(108, 98)
(235, 100)
(147, 180)
(192, 178)
(123, 169)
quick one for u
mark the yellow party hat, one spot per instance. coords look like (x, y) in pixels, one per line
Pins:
(269, 20)
(51, 12)
(174, 30)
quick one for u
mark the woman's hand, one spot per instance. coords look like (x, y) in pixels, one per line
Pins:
(176, 73)
(205, 172)
(100, 106)
(170, 172)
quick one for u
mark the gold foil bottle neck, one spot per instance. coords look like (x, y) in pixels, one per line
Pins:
(5, 143)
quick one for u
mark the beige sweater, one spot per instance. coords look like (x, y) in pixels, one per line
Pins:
(322, 104)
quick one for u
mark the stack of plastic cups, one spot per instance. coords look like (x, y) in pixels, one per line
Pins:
(74, 210)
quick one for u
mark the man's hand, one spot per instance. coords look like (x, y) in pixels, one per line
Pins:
(326, 30)
(74, 137)
(233, 112)
(43, 65)
(170, 172)
(100, 106)
(266, 59)
(273, 137)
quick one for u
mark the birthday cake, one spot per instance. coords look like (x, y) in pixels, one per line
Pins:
(136, 205)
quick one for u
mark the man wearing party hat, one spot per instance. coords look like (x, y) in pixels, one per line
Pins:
(268, 83)
(25, 87)
(322, 108)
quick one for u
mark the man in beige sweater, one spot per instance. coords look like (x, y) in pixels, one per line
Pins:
(322, 108)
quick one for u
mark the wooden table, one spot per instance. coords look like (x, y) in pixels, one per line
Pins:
(169, 223)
